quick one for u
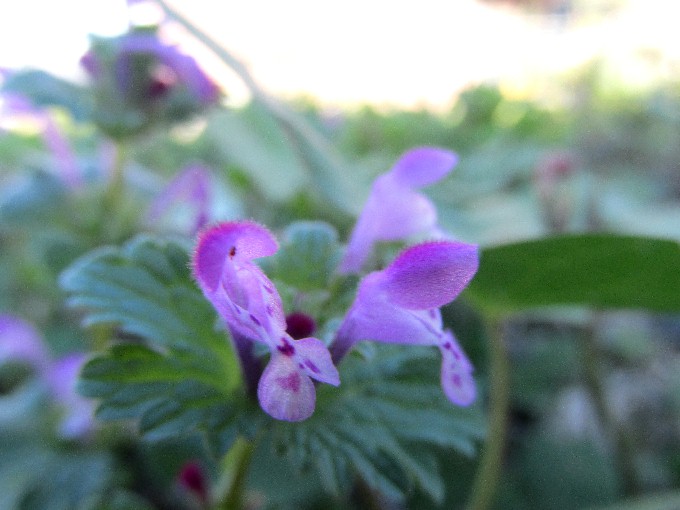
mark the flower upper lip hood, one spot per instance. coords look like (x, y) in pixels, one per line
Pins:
(395, 210)
(400, 304)
(251, 306)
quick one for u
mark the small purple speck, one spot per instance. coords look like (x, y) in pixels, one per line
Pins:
(312, 366)
(433, 314)
(447, 345)
(456, 380)
(254, 319)
(286, 349)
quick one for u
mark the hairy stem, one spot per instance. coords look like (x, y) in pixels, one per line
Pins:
(489, 471)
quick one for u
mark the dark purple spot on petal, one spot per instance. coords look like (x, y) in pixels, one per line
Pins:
(232, 252)
(433, 314)
(268, 288)
(290, 382)
(312, 366)
(456, 380)
(447, 345)
(255, 320)
(286, 348)
(299, 325)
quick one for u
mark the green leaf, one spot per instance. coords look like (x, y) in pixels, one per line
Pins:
(601, 270)
(183, 375)
(308, 256)
(377, 425)
(45, 89)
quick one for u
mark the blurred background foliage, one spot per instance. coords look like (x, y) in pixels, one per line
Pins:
(594, 417)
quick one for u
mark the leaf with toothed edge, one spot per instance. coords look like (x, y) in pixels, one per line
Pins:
(181, 375)
(380, 424)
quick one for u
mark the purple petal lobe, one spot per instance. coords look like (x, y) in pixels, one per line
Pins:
(423, 166)
(241, 241)
(429, 275)
(284, 392)
(457, 381)
(395, 210)
(315, 359)
(299, 325)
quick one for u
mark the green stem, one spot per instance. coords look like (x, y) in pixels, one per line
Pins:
(624, 452)
(112, 203)
(489, 471)
(235, 467)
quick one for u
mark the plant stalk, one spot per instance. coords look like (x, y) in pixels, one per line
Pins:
(489, 471)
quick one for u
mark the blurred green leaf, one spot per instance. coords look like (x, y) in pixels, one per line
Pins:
(45, 89)
(601, 270)
(308, 256)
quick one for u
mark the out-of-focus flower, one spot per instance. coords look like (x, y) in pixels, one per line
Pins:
(251, 306)
(20, 341)
(400, 304)
(139, 81)
(395, 210)
(15, 105)
(62, 376)
(191, 188)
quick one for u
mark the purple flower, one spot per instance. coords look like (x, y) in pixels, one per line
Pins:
(251, 306)
(169, 68)
(192, 187)
(21, 342)
(62, 377)
(400, 304)
(64, 156)
(395, 210)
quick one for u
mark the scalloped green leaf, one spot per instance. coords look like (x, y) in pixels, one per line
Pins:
(182, 374)
(600, 270)
(379, 423)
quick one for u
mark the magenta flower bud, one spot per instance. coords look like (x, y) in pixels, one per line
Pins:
(299, 325)
(192, 478)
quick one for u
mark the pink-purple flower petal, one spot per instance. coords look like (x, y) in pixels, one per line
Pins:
(429, 275)
(395, 210)
(284, 392)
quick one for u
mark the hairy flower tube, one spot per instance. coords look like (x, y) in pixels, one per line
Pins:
(395, 210)
(400, 305)
(251, 307)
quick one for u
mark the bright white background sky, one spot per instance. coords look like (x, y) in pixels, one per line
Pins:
(356, 50)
